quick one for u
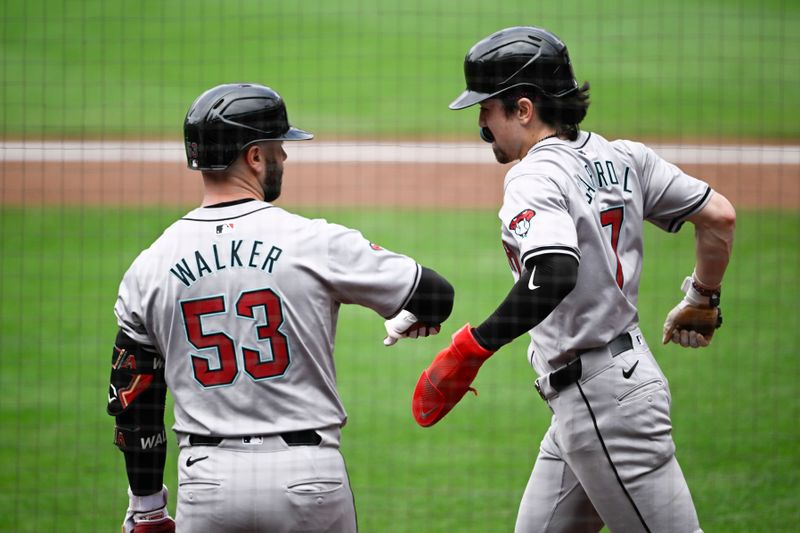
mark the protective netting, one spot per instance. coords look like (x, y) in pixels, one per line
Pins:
(92, 169)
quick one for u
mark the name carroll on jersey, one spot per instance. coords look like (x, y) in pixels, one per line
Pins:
(601, 175)
(220, 256)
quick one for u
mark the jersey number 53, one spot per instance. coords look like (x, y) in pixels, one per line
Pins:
(228, 368)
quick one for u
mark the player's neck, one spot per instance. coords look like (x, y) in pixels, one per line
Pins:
(214, 199)
(536, 131)
(538, 135)
(219, 189)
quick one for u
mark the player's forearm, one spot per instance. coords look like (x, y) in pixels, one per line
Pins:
(714, 230)
(145, 470)
(530, 300)
(145, 445)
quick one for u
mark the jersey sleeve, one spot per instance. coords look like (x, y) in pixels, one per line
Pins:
(129, 307)
(669, 194)
(535, 214)
(361, 272)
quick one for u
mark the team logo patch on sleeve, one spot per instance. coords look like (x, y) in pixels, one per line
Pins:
(521, 223)
(375, 246)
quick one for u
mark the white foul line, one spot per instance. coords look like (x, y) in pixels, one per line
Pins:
(367, 152)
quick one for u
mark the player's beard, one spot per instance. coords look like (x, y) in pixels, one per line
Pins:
(272, 181)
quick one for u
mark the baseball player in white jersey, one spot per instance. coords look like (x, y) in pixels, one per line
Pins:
(572, 216)
(234, 310)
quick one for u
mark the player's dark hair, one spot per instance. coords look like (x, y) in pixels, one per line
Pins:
(564, 114)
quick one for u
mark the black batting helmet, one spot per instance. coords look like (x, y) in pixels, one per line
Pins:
(227, 118)
(513, 57)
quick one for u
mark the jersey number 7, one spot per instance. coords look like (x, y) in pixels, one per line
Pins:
(228, 369)
(613, 217)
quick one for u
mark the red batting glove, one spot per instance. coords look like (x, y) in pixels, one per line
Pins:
(442, 385)
(148, 514)
(166, 525)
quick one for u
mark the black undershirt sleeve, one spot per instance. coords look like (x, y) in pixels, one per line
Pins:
(554, 276)
(432, 301)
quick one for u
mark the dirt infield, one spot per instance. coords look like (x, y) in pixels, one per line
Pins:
(423, 185)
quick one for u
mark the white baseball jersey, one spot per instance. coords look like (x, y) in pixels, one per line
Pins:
(588, 199)
(242, 301)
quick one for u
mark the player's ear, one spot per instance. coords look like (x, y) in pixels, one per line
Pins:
(254, 157)
(525, 109)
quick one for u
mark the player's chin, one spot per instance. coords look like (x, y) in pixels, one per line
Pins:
(271, 195)
(500, 155)
(272, 191)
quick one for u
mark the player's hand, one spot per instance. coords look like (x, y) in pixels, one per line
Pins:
(694, 320)
(442, 385)
(148, 514)
(406, 325)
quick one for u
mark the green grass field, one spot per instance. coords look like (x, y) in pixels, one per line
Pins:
(735, 406)
(722, 69)
(717, 70)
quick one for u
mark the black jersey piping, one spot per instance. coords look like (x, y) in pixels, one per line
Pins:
(230, 203)
(226, 218)
(676, 222)
(548, 145)
(588, 136)
(610, 462)
(552, 249)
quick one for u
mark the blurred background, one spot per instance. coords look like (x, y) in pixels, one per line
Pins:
(92, 100)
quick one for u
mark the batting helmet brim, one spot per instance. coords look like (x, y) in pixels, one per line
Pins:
(294, 134)
(469, 98)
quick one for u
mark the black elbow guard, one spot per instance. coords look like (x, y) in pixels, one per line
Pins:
(137, 396)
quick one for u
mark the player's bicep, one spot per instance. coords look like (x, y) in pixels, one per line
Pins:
(361, 272)
(129, 307)
(670, 196)
(536, 215)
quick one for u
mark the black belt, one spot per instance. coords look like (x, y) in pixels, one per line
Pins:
(307, 437)
(622, 343)
(571, 373)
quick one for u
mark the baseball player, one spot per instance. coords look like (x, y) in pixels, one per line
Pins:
(572, 216)
(234, 309)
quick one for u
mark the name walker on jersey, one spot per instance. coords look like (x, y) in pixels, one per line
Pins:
(235, 254)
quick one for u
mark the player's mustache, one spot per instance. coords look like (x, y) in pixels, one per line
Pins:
(486, 134)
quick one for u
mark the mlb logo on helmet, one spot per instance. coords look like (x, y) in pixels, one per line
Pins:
(193, 153)
(521, 223)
